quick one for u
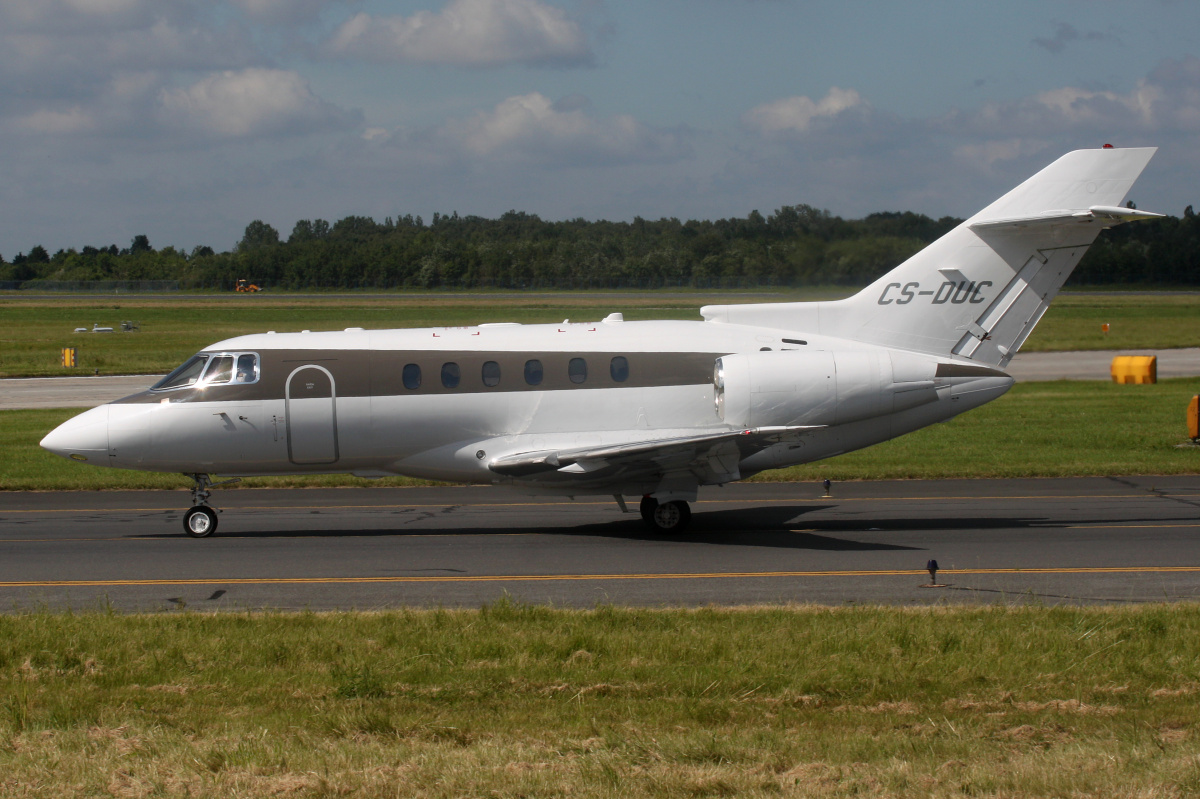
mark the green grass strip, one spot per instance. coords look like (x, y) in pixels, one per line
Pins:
(512, 700)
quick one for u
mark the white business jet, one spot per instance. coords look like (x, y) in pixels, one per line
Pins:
(641, 409)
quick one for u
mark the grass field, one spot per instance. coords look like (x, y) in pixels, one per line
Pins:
(1054, 429)
(517, 701)
(33, 331)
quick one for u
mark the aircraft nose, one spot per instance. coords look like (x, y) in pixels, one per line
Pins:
(81, 438)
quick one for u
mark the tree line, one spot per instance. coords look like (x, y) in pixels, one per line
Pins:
(795, 246)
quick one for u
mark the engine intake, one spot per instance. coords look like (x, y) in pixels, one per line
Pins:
(819, 387)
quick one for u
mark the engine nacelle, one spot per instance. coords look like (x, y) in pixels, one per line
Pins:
(819, 387)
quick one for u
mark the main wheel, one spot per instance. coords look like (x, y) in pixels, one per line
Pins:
(200, 521)
(671, 517)
(647, 509)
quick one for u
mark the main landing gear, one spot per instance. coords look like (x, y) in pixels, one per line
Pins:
(665, 517)
(200, 521)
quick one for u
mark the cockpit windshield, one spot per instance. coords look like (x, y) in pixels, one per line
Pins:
(208, 369)
(220, 370)
(184, 376)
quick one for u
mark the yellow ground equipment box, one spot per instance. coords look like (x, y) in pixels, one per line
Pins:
(1135, 369)
(68, 356)
(1194, 418)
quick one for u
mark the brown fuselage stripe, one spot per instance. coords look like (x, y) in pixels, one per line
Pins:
(379, 373)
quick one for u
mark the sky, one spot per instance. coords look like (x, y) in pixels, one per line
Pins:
(185, 120)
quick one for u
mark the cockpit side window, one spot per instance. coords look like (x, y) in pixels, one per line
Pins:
(184, 376)
(247, 368)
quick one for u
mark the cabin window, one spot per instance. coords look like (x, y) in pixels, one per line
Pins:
(491, 373)
(577, 370)
(533, 372)
(411, 376)
(186, 375)
(247, 368)
(451, 375)
(220, 370)
(618, 367)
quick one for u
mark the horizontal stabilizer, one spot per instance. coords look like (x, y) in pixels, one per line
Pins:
(1106, 216)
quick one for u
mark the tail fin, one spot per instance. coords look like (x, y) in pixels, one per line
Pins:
(978, 291)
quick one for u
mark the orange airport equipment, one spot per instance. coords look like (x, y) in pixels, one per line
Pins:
(68, 356)
(1193, 418)
(1135, 369)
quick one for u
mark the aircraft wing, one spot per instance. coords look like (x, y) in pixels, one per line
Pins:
(716, 455)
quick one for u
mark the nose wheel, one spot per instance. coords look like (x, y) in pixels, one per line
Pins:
(200, 521)
(665, 517)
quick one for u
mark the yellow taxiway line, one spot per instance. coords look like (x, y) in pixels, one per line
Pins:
(577, 577)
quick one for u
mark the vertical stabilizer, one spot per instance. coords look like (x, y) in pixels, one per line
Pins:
(978, 291)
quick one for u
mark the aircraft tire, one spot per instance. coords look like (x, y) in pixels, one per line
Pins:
(200, 521)
(647, 509)
(671, 517)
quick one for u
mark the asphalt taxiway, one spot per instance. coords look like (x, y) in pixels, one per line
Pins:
(1078, 540)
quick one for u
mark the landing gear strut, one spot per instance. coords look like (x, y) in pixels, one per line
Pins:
(200, 521)
(665, 517)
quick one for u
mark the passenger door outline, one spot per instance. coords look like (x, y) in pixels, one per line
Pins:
(311, 416)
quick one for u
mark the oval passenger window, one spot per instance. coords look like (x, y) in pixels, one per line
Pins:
(412, 376)
(619, 369)
(577, 370)
(451, 375)
(533, 372)
(491, 373)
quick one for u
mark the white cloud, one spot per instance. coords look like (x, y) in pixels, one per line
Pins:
(250, 102)
(476, 33)
(1168, 99)
(533, 129)
(797, 114)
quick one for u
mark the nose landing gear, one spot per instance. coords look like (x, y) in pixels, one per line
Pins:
(200, 521)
